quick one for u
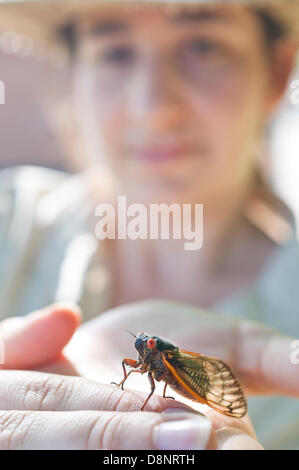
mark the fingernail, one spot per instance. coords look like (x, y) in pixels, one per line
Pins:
(178, 433)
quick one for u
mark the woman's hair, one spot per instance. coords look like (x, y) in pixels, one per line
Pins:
(273, 29)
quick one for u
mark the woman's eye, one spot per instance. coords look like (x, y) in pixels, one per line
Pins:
(118, 56)
(205, 47)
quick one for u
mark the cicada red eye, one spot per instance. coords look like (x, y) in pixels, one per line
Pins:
(151, 343)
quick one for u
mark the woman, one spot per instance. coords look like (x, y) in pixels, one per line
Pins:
(170, 103)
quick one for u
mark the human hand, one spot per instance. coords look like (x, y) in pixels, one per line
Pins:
(50, 411)
(226, 433)
(259, 354)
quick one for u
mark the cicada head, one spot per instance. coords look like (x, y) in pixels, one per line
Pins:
(145, 344)
(141, 344)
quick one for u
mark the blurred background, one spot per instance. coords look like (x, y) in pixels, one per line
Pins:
(26, 133)
(28, 136)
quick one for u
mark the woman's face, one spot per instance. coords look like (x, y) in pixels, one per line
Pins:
(174, 98)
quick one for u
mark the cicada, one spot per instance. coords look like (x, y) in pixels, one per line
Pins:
(200, 378)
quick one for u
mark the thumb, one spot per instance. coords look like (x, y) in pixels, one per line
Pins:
(38, 337)
(104, 430)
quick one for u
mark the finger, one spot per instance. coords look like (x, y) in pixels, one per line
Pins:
(28, 390)
(263, 359)
(230, 433)
(62, 365)
(102, 430)
(233, 439)
(38, 337)
(220, 422)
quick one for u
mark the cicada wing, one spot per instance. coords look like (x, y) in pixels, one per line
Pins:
(208, 380)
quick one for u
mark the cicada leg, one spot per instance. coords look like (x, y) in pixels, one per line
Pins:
(153, 386)
(128, 362)
(164, 391)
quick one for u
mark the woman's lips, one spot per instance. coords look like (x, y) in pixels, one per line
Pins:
(162, 153)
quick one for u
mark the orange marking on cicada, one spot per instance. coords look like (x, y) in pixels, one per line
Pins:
(131, 362)
(192, 353)
(151, 343)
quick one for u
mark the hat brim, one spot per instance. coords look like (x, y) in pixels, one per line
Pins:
(40, 20)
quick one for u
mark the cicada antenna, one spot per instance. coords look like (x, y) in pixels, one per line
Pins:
(131, 333)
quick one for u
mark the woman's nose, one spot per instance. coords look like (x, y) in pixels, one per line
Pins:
(156, 95)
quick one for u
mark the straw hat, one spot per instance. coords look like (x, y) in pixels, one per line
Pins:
(40, 19)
